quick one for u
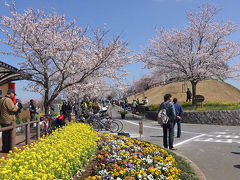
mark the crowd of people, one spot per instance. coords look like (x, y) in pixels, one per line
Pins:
(67, 108)
(10, 111)
(133, 106)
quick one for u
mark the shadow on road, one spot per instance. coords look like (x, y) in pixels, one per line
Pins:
(237, 166)
(238, 153)
(157, 125)
(155, 136)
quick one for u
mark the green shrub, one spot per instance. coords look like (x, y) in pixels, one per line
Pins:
(186, 104)
(39, 115)
(154, 107)
(21, 120)
(189, 104)
(123, 112)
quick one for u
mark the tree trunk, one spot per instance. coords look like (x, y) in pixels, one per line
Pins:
(46, 102)
(194, 93)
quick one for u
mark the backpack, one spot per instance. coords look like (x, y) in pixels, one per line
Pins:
(162, 116)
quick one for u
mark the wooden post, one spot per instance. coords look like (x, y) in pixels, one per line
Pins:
(13, 135)
(28, 132)
(141, 129)
(38, 128)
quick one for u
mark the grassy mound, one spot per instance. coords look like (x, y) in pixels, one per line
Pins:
(212, 90)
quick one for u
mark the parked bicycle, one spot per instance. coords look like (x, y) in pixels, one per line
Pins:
(47, 124)
(100, 124)
(50, 123)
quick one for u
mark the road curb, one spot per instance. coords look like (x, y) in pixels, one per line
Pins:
(196, 169)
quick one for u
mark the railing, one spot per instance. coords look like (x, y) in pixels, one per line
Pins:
(27, 131)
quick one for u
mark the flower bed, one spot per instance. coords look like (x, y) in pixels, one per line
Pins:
(121, 157)
(57, 156)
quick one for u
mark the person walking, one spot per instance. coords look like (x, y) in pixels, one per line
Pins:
(179, 113)
(19, 105)
(134, 106)
(69, 111)
(168, 128)
(126, 104)
(76, 110)
(96, 108)
(189, 95)
(32, 110)
(64, 108)
(8, 112)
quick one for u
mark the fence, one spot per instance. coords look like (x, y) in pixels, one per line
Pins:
(27, 131)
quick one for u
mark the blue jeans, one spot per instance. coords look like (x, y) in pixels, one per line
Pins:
(168, 135)
(178, 121)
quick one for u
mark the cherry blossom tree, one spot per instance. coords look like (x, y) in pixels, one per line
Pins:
(93, 88)
(59, 54)
(197, 52)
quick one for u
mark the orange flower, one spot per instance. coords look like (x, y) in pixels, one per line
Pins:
(129, 178)
(119, 162)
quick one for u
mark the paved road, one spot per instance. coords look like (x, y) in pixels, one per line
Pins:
(214, 149)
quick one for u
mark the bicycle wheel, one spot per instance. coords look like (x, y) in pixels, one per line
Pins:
(120, 125)
(113, 127)
(96, 126)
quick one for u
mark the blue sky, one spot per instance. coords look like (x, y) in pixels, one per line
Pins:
(135, 20)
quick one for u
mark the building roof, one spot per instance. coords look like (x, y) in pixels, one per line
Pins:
(9, 73)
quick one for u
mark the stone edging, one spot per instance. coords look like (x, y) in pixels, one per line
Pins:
(196, 169)
(224, 117)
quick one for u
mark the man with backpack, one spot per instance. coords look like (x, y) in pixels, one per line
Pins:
(166, 117)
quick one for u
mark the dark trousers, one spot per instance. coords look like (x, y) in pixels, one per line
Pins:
(188, 99)
(168, 135)
(134, 109)
(69, 117)
(32, 116)
(6, 139)
(178, 121)
(59, 122)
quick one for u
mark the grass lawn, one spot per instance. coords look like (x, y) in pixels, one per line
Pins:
(211, 106)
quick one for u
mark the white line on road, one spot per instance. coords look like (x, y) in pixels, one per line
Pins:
(183, 142)
(159, 128)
